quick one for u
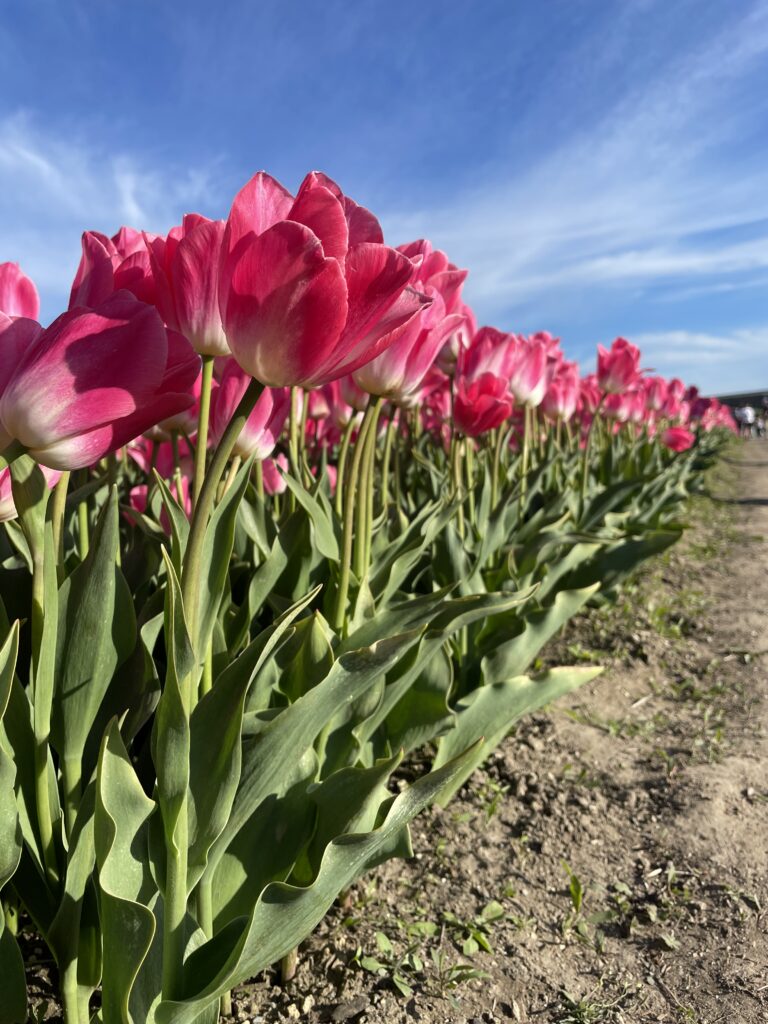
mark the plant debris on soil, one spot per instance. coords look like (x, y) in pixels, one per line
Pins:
(608, 864)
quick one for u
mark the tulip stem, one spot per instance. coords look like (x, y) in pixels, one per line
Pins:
(190, 579)
(82, 529)
(58, 511)
(387, 460)
(365, 501)
(457, 481)
(524, 460)
(204, 415)
(342, 464)
(342, 592)
(177, 853)
(470, 467)
(587, 448)
(495, 474)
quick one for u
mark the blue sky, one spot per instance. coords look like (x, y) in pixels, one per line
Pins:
(600, 166)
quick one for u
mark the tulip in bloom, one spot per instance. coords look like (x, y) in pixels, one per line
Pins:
(528, 370)
(308, 291)
(93, 381)
(481, 404)
(7, 507)
(18, 295)
(108, 265)
(619, 367)
(677, 439)
(265, 423)
(274, 481)
(562, 395)
(185, 271)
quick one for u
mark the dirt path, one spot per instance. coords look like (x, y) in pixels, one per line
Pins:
(651, 785)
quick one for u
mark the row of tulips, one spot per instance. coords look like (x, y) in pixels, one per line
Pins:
(276, 515)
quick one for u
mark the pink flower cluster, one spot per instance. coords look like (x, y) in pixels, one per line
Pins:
(297, 291)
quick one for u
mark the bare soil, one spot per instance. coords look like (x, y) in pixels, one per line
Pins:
(609, 863)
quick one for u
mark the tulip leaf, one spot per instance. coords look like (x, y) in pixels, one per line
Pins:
(325, 538)
(485, 716)
(217, 552)
(512, 657)
(280, 742)
(13, 987)
(285, 914)
(171, 734)
(96, 634)
(125, 881)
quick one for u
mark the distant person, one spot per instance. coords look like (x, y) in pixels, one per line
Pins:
(760, 424)
(749, 421)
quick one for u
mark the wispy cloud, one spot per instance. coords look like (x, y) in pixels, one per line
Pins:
(52, 188)
(629, 199)
(721, 362)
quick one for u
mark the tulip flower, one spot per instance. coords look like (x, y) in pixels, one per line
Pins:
(185, 270)
(481, 405)
(18, 295)
(562, 395)
(265, 423)
(94, 380)
(677, 439)
(7, 507)
(274, 481)
(398, 372)
(108, 265)
(308, 291)
(527, 367)
(655, 392)
(619, 367)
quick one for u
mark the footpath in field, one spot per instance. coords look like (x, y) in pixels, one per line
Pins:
(609, 864)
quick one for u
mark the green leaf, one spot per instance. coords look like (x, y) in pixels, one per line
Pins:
(216, 555)
(488, 713)
(96, 634)
(171, 733)
(125, 881)
(512, 658)
(268, 755)
(13, 987)
(325, 539)
(284, 914)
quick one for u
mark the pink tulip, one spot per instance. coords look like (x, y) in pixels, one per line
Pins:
(265, 423)
(489, 351)
(398, 372)
(528, 370)
(619, 367)
(562, 395)
(677, 439)
(108, 265)
(308, 291)
(7, 507)
(94, 380)
(655, 392)
(481, 405)
(274, 481)
(18, 295)
(185, 269)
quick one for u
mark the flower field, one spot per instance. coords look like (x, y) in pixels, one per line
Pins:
(286, 537)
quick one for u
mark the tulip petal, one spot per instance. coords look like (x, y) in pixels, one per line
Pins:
(195, 280)
(18, 295)
(321, 211)
(285, 306)
(88, 368)
(94, 280)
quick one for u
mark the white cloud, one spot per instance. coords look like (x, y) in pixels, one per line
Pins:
(721, 363)
(52, 188)
(631, 199)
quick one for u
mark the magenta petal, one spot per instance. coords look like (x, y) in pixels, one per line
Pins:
(88, 368)
(18, 295)
(258, 205)
(322, 212)
(285, 307)
(17, 335)
(195, 281)
(363, 226)
(94, 280)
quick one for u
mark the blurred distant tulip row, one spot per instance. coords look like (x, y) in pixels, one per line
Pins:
(278, 514)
